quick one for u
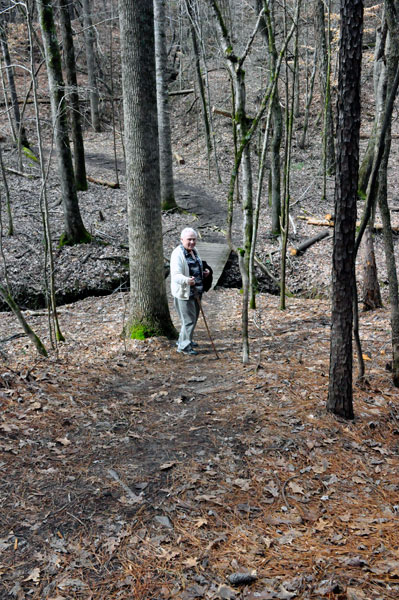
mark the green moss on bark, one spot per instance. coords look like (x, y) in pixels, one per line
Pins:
(140, 330)
(85, 238)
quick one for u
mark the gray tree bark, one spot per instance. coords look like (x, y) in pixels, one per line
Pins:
(19, 128)
(75, 231)
(322, 53)
(149, 312)
(168, 201)
(91, 65)
(391, 12)
(73, 95)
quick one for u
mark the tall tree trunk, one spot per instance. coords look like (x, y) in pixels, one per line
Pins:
(324, 76)
(19, 128)
(379, 78)
(73, 96)
(75, 231)
(149, 312)
(200, 82)
(91, 65)
(168, 201)
(391, 11)
(277, 125)
(343, 271)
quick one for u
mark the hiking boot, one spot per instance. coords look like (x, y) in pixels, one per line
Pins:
(187, 350)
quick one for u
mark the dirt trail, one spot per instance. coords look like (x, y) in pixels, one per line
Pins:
(138, 472)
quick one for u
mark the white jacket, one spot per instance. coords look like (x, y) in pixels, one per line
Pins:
(179, 274)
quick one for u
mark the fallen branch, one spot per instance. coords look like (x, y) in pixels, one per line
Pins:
(20, 174)
(301, 249)
(330, 223)
(111, 184)
(181, 92)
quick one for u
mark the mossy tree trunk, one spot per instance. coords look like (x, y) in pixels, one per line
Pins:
(73, 95)
(149, 312)
(75, 231)
(168, 201)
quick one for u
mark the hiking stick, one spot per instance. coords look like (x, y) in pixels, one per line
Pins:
(206, 325)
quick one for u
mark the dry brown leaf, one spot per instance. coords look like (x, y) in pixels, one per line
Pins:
(34, 575)
(191, 562)
(167, 465)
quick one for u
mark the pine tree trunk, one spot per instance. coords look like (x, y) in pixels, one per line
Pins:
(91, 65)
(75, 232)
(149, 313)
(168, 201)
(343, 271)
(73, 95)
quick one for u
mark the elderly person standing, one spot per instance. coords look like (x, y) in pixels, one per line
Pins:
(186, 281)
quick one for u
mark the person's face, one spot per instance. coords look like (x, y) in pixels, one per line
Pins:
(189, 241)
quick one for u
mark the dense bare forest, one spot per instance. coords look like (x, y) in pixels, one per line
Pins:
(269, 468)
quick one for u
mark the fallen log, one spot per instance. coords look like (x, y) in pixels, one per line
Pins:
(330, 223)
(111, 184)
(301, 249)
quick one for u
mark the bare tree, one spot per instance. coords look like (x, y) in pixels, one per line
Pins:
(75, 231)
(149, 312)
(73, 95)
(91, 64)
(168, 201)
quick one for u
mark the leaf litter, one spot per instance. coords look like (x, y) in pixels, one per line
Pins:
(106, 493)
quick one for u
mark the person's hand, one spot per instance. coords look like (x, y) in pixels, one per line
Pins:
(191, 281)
(206, 272)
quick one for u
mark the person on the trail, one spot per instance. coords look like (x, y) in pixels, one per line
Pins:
(187, 273)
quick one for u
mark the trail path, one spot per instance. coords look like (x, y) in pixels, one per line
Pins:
(136, 472)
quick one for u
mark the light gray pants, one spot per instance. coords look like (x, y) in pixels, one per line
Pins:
(188, 311)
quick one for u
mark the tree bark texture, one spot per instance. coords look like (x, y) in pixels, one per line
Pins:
(74, 229)
(343, 270)
(322, 53)
(91, 65)
(168, 201)
(277, 136)
(19, 129)
(392, 65)
(73, 95)
(149, 312)
(371, 295)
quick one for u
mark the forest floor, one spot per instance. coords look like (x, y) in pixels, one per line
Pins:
(131, 471)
